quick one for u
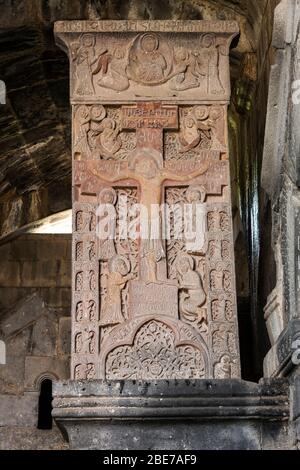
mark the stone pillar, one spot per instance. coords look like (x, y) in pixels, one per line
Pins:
(153, 316)
(280, 179)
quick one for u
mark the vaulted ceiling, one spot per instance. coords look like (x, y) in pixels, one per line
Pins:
(35, 162)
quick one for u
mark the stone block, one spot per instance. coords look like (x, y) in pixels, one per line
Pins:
(10, 274)
(49, 247)
(283, 24)
(276, 437)
(5, 252)
(63, 273)
(275, 135)
(12, 374)
(153, 299)
(50, 367)
(44, 336)
(30, 438)
(26, 312)
(296, 399)
(46, 273)
(274, 315)
(64, 336)
(57, 297)
(171, 415)
(18, 410)
(39, 273)
(23, 249)
(9, 296)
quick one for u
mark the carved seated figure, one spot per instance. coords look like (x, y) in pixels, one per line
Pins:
(223, 368)
(184, 76)
(190, 282)
(148, 64)
(189, 136)
(109, 141)
(111, 70)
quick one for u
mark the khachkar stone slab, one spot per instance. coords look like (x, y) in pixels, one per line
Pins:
(149, 106)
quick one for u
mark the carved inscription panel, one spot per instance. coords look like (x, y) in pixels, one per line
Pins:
(153, 263)
(148, 61)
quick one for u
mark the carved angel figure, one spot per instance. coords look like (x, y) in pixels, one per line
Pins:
(109, 140)
(119, 267)
(193, 130)
(103, 137)
(190, 282)
(189, 136)
(184, 77)
(112, 70)
(83, 55)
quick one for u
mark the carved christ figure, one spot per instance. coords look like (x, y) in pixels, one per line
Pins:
(145, 166)
(149, 63)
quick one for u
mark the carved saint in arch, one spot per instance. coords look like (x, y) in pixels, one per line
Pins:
(79, 251)
(107, 223)
(79, 281)
(223, 369)
(79, 311)
(119, 268)
(80, 222)
(92, 280)
(196, 227)
(92, 251)
(193, 295)
(85, 342)
(84, 371)
(92, 310)
(83, 54)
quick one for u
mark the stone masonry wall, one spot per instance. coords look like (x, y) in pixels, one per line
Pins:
(35, 327)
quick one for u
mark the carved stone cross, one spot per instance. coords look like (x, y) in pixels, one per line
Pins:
(150, 123)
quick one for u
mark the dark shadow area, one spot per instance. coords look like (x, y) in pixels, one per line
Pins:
(45, 405)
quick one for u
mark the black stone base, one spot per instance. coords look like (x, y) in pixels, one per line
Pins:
(174, 415)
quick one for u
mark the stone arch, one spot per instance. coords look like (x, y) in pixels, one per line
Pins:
(156, 351)
(42, 377)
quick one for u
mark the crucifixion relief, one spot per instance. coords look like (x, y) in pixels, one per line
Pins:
(150, 149)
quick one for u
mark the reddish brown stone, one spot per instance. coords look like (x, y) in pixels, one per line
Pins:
(150, 123)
